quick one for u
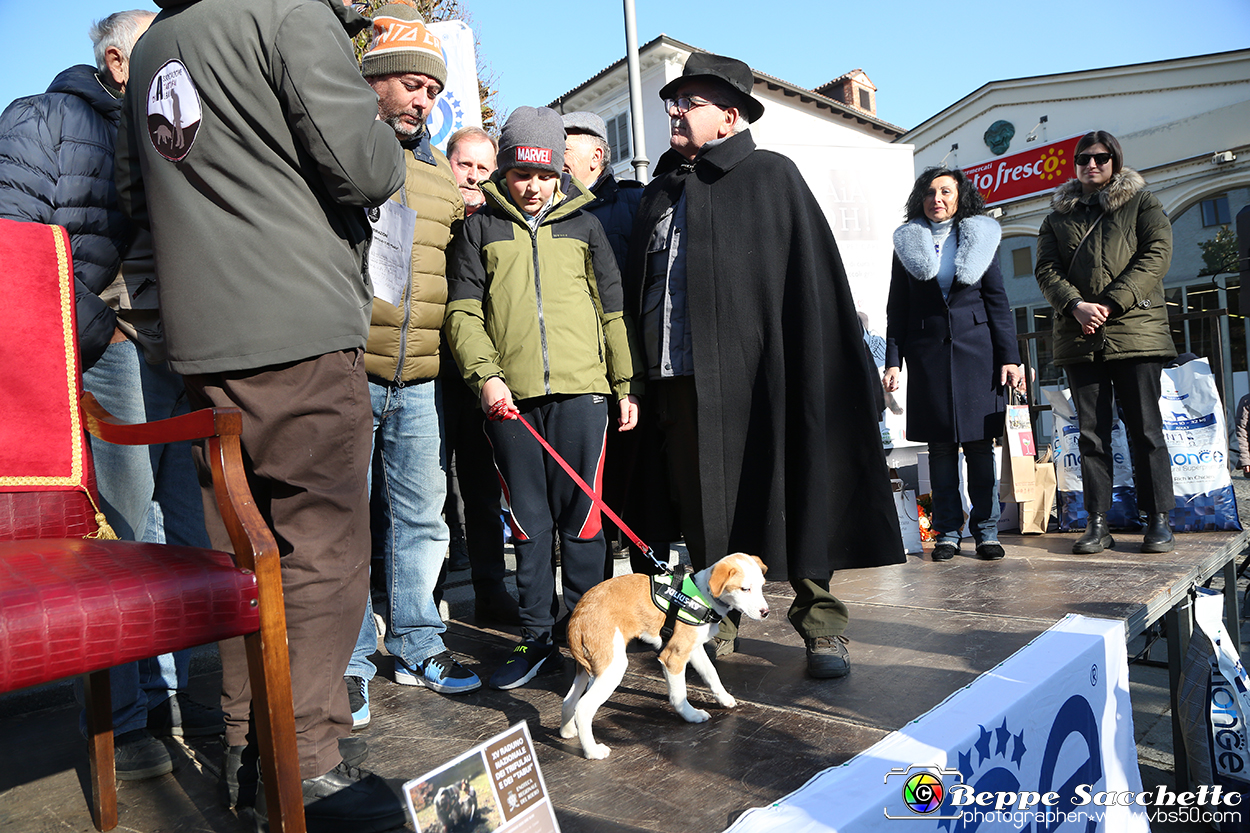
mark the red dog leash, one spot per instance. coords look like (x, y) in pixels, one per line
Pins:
(500, 412)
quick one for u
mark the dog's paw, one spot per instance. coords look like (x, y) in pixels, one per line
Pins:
(597, 751)
(694, 715)
(726, 700)
(568, 730)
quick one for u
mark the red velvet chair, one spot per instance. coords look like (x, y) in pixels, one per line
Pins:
(73, 603)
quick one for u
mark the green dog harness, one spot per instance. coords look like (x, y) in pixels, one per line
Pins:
(681, 600)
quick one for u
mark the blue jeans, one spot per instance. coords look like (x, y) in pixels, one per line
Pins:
(148, 493)
(948, 510)
(407, 444)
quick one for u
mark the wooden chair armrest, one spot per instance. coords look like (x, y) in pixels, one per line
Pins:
(196, 425)
(250, 536)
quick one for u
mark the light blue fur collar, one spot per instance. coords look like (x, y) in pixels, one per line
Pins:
(978, 246)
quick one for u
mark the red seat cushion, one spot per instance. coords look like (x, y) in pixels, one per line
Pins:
(72, 606)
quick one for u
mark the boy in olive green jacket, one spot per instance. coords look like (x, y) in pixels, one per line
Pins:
(536, 322)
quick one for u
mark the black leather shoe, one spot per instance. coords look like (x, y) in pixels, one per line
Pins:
(990, 551)
(239, 781)
(944, 552)
(1097, 536)
(497, 607)
(180, 716)
(1158, 537)
(346, 798)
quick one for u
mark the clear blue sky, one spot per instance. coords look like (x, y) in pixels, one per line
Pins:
(922, 56)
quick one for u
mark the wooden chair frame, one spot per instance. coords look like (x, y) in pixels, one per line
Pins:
(268, 662)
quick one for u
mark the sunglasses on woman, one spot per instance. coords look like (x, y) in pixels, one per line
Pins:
(1100, 159)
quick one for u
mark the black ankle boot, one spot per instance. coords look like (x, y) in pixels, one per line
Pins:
(1158, 537)
(1097, 536)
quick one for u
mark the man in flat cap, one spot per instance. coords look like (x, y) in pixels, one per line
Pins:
(756, 363)
(588, 158)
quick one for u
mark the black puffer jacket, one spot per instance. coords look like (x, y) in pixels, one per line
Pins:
(56, 166)
(616, 203)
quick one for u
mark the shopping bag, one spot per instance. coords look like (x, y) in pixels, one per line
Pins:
(1067, 456)
(908, 517)
(1193, 426)
(1213, 706)
(1035, 513)
(1016, 483)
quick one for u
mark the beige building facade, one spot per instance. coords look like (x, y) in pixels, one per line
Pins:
(1184, 124)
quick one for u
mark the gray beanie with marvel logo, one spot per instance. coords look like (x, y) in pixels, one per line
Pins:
(533, 137)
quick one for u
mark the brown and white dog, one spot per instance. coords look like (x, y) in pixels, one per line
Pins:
(621, 609)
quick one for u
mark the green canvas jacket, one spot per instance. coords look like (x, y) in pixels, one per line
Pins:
(542, 309)
(1121, 264)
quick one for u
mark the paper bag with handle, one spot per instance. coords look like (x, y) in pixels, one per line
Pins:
(1017, 483)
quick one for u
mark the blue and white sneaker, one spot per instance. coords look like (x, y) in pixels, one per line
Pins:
(527, 660)
(358, 698)
(440, 673)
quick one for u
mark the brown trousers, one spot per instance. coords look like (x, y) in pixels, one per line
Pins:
(306, 443)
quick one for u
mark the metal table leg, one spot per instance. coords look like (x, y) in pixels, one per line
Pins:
(1232, 619)
(1180, 626)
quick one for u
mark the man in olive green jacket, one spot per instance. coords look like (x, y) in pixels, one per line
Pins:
(405, 67)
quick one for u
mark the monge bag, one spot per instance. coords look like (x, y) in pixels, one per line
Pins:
(1213, 705)
(1067, 458)
(1193, 425)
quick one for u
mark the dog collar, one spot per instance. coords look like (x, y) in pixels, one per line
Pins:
(678, 592)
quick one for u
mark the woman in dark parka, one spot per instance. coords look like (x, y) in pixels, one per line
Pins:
(1101, 258)
(948, 317)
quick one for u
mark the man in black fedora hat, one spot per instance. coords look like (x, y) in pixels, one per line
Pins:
(769, 442)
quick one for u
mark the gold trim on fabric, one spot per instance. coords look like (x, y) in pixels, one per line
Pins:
(65, 284)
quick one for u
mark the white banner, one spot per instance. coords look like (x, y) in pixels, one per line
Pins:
(458, 106)
(1043, 742)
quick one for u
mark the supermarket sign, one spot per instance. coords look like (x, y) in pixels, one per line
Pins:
(1025, 174)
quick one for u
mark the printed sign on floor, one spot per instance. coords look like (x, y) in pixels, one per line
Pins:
(496, 785)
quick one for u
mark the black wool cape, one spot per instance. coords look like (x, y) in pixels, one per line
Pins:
(790, 457)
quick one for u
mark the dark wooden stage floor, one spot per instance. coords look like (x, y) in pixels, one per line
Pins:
(918, 632)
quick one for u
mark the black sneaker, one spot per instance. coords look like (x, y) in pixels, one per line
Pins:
(827, 657)
(529, 659)
(944, 552)
(458, 555)
(346, 798)
(358, 699)
(441, 673)
(180, 716)
(138, 756)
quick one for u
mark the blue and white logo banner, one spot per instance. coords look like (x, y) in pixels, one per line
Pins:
(459, 105)
(1043, 742)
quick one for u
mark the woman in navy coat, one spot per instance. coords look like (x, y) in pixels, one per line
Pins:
(948, 317)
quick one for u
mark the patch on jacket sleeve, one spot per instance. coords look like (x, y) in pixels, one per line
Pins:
(173, 111)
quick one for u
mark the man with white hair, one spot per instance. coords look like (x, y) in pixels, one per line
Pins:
(588, 157)
(57, 152)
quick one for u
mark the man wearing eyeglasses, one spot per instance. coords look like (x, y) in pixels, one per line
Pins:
(756, 364)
